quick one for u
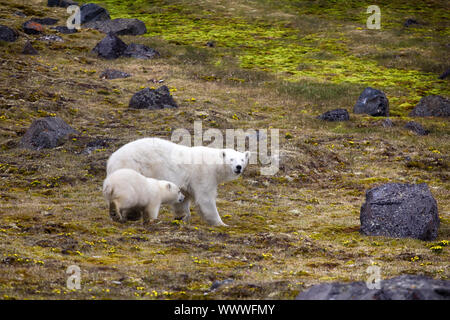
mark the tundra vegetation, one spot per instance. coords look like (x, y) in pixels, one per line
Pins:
(271, 64)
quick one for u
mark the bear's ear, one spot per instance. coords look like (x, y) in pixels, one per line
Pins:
(247, 154)
(169, 186)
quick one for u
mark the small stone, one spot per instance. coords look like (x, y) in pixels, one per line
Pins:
(432, 106)
(65, 30)
(416, 128)
(29, 49)
(93, 12)
(45, 21)
(140, 51)
(153, 99)
(113, 74)
(31, 27)
(110, 47)
(335, 115)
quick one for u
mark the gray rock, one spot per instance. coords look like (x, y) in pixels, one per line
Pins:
(405, 287)
(51, 38)
(140, 51)
(65, 30)
(335, 115)
(48, 132)
(29, 49)
(110, 47)
(410, 22)
(432, 106)
(8, 34)
(93, 12)
(61, 3)
(372, 102)
(400, 211)
(219, 283)
(114, 74)
(445, 74)
(387, 123)
(153, 99)
(119, 26)
(416, 128)
(45, 21)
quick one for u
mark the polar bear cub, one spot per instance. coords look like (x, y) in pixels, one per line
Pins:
(127, 190)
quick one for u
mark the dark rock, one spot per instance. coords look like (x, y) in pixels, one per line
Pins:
(51, 38)
(335, 115)
(405, 287)
(119, 26)
(28, 49)
(45, 21)
(153, 99)
(410, 21)
(48, 132)
(400, 211)
(8, 34)
(416, 128)
(219, 283)
(61, 3)
(113, 74)
(31, 27)
(432, 106)
(445, 74)
(65, 30)
(372, 102)
(93, 12)
(387, 123)
(211, 44)
(110, 47)
(20, 14)
(140, 51)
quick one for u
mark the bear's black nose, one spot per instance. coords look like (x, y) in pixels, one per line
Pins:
(238, 167)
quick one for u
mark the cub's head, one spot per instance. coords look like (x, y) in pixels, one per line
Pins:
(173, 192)
(235, 161)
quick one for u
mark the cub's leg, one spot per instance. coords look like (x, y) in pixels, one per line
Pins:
(115, 212)
(150, 212)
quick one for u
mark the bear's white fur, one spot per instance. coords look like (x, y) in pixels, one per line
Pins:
(196, 170)
(126, 190)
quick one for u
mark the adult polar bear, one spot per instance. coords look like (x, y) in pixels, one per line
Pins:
(196, 170)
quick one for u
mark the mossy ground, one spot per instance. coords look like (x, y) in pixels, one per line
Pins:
(274, 65)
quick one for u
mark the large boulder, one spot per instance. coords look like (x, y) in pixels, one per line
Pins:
(8, 34)
(432, 106)
(335, 115)
(405, 287)
(110, 47)
(400, 211)
(140, 51)
(93, 12)
(153, 99)
(372, 102)
(119, 26)
(48, 132)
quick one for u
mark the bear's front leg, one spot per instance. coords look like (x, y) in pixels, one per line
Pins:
(209, 212)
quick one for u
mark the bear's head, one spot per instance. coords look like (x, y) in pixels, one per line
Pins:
(173, 192)
(235, 161)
